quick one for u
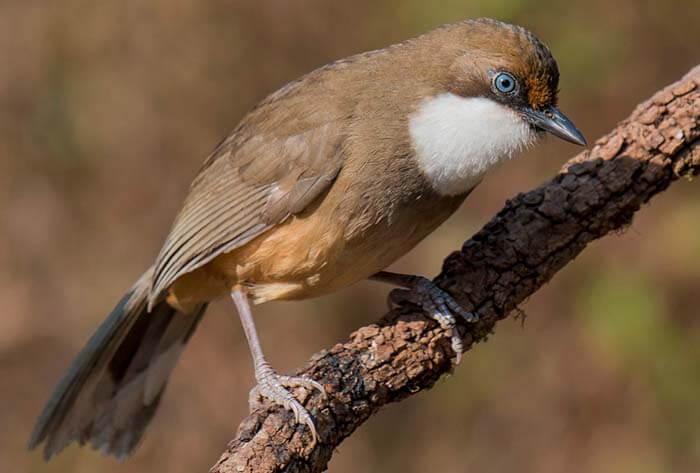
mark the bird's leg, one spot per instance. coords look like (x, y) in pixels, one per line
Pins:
(438, 304)
(271, 385)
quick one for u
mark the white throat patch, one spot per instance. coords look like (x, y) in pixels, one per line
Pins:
(457, 139)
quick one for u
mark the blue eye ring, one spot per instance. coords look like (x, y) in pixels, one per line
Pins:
(505, 83)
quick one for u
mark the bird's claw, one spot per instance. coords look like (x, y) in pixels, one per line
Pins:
(437, 304)
(273, 387)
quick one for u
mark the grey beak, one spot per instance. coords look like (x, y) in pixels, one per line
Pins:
(552, 120)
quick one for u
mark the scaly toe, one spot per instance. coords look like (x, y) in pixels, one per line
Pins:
(437, 304)
(438, 300)
(272, 387)
(442, 308)
(302, 382)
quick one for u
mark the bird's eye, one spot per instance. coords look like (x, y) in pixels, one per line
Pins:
(504, 83)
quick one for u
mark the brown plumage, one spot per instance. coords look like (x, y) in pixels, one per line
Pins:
(291, 148)
(316, 188)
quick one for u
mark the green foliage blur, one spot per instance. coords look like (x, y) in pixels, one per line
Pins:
(108, 108)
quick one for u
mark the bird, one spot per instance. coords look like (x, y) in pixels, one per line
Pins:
(324, 183)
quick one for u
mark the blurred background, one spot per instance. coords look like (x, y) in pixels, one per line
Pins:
(107, 110)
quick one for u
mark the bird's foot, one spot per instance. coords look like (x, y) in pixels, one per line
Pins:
(273, 387)
(437, 304)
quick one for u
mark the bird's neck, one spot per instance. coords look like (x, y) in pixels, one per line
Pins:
(458, 139)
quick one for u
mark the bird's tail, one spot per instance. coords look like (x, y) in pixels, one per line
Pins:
(113, 387)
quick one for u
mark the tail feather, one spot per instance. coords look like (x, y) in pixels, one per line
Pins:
(114, 386)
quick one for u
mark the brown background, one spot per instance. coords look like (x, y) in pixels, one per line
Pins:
(107, 109)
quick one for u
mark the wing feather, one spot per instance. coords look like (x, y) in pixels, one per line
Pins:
(251, 183)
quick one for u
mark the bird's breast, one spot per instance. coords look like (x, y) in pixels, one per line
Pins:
(347, 237)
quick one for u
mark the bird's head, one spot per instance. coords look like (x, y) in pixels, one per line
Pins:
(492, 92)
(511, 66)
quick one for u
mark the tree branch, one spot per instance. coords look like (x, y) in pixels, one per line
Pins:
(520, 249)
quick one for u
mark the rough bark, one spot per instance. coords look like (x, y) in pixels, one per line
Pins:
(521, 248)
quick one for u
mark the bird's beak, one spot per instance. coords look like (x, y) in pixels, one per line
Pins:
(552, 120)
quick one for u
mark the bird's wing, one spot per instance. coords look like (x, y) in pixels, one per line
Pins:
(254, 180)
